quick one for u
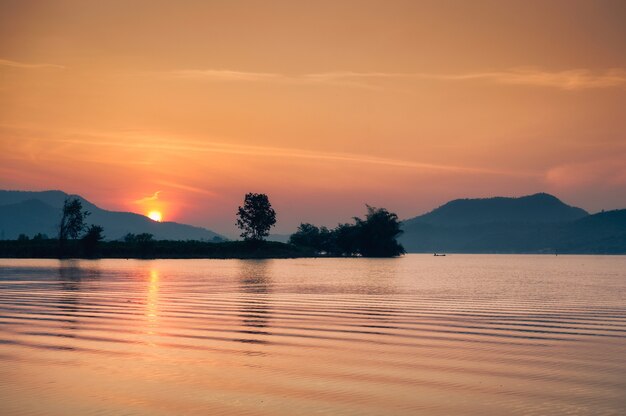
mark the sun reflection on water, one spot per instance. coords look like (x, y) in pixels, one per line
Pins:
(152, 302)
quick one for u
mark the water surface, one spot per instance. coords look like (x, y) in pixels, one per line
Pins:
(461, 334)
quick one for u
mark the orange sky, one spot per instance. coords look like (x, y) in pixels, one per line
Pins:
(323, 105)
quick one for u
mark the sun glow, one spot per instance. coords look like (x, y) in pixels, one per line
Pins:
(155, 216)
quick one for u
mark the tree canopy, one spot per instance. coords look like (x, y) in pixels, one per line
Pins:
(255, 217)
(377, 233)
(72, 219)
(374, 236)
(91, 239)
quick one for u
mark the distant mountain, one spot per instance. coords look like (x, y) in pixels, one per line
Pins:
(28, 217)
(537, 208)
(281, 238)
(29, 213)
(538, 223)
(600, 233)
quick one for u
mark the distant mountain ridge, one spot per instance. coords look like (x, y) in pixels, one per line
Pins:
(29, 213)
(535, 208)
(538, 223)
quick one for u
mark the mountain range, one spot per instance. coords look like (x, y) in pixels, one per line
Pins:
(29, 213)
(539, 223)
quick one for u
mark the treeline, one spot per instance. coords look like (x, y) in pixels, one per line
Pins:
(374, 236)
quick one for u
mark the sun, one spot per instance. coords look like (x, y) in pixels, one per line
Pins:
(155, 216)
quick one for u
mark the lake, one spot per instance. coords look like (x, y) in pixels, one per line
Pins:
(461, 334)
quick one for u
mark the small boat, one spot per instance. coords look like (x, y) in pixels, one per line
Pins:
(439, 255)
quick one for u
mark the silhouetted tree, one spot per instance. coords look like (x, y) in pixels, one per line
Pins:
(22, 237)
(91, 239)
(256, 217)
(143, 242)
(345, 240)
(144, 238)
(377, 233)
(308, 235)
(374, 236)
(72, 219)
(138, 238)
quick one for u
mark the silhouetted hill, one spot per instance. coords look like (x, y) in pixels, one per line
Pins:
(532, 208)
(604, 232)
(27, 217)
(460, 227)
(23, 212)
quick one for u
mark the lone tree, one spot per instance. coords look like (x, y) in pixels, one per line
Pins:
(256, 217)
(72, 219)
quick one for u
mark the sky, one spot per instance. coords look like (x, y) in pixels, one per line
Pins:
(183, 107)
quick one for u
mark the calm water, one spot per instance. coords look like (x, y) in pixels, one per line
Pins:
(462, 334)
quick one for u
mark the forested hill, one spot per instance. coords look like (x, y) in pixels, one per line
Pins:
(29, 213)
(537, 208)
(538, 223)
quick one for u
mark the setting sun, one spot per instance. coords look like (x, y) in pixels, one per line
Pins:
(155, 216)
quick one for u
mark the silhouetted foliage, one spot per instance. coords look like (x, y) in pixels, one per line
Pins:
(308, 235)
(94, 233)
(138, 238)
(142, 243)
(144, 238)
(346, 240)
(40, 236)
(22, 237)
(91, 239)
(377, 233)
(321, 239)
(72, 219)
(375, 236)
(256, 217)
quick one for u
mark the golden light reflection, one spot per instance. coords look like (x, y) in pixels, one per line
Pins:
(152, 301)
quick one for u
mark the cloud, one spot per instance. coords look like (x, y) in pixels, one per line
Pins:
(143, 200)
(186, 187)
(23, 65)
(224, 75)
(572, 79)
(151, 142)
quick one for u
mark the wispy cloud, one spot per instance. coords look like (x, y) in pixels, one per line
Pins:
(572, 79)
(25, 65)
(150, 142)
(153, 197)
(225, 75)
(184, 187)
